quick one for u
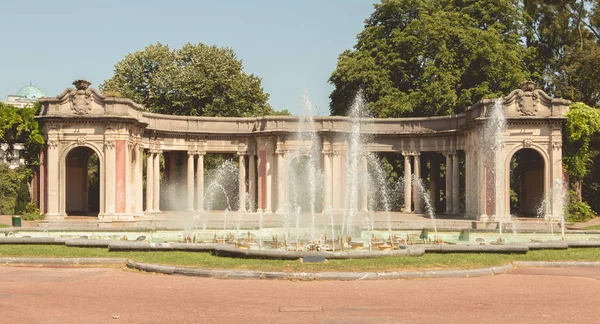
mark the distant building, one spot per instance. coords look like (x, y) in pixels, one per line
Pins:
(25, 97)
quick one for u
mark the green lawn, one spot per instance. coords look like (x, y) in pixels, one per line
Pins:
(595, 227)
(208, 261)
(4, 225)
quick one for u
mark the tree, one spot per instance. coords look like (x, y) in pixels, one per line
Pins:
(583, 122)
(563, 51)
(195, 80)
(18, 125)
(423, 58)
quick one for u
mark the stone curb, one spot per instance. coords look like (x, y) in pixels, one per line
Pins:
(62, 261)
(556, 264)
(341, 276)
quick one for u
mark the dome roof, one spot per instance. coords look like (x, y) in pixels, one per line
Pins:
(31, 92)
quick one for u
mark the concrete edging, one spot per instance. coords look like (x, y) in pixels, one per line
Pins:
(62, 261)
(341, 276)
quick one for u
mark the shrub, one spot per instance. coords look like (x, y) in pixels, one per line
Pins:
(577, 210)
(31, 212)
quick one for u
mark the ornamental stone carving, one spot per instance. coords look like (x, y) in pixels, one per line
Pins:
(53, 144)
(109, 145)
(81, 141)
(81, 97)
(527, 142)
(556, 145)
(527, 99)
(131, 143)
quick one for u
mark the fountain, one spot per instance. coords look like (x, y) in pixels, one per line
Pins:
(493, 133)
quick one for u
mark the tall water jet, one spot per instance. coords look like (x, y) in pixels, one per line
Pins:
(222, 187)
(426, 200)
(304, 172)
(493, 139)
(355, 156)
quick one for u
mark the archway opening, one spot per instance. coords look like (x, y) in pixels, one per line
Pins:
(82, 182)
(526, 182)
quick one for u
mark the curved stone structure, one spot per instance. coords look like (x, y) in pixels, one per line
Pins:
(122, 133)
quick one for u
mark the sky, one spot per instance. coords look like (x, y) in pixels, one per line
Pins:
(292, 45)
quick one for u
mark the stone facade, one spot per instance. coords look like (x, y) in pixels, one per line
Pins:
(122, 133)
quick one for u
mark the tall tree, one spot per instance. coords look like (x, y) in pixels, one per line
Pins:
(195, 80)
(563, 46)
(423, 58)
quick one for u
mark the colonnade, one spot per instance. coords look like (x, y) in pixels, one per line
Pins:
(256, 182)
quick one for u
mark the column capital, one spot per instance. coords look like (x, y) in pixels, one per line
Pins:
(199, 152)
(53, 144)
(109, 144)
(449, 153)
(242, 153)
(411, 153)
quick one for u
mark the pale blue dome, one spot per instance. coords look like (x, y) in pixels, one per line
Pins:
(31, 92)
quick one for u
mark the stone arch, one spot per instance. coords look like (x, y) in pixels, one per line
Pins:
(64, 171)
(545, 176)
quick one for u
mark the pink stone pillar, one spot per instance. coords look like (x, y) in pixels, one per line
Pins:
(252, 182)
(121, 177)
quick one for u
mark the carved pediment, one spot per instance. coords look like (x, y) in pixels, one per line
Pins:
(528, 101)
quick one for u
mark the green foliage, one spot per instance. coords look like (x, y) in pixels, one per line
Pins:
(577, 210)
(562, 47)
(583, 122)
(424, 58)
(31, 212)
(195, 80)
(18, 125)
(10, 183)
(22, 198)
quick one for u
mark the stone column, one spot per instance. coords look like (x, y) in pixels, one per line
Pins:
(109, 177)
(448, 183)
(139, 180)
(53, 180)
(337, 186)
(434, 173)
(171, 184)
(252, 182)
(200, 182)
(156, 178)
(190, 181)
(242, 181)
(556, 178)
(417, 175)
(327, 172)
(281, 183)
(364, 178)
(455, 185)
(407, 183)
(269, 186)
(149, 181)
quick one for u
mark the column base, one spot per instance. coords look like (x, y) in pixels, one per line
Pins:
(121, 217)
(57, 216)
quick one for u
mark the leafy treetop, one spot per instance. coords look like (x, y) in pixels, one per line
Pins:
(195, 80)
(423, 58)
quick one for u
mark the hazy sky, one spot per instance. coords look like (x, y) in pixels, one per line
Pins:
(291, 45)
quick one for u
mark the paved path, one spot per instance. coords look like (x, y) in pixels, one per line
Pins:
(95, 295)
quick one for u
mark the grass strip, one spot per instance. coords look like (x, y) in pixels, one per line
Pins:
(431, 261)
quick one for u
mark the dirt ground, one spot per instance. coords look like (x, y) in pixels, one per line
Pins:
(109, 295)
